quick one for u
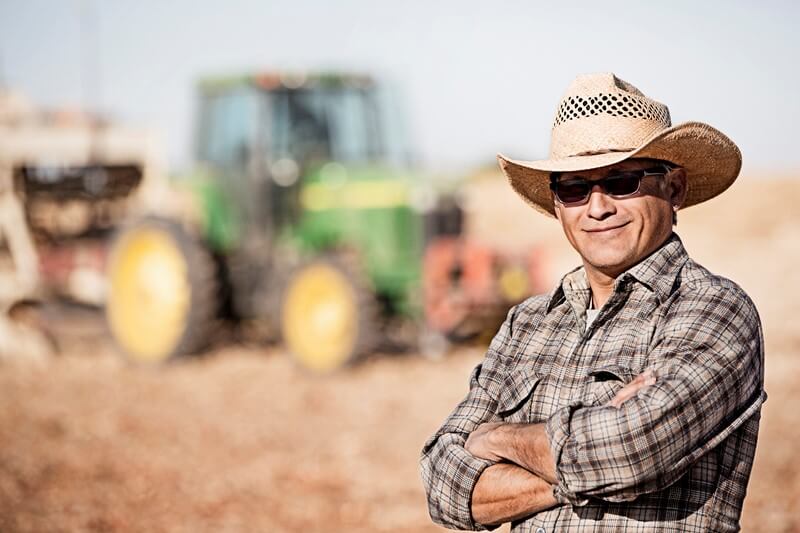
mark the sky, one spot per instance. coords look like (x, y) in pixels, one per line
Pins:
(475, 77)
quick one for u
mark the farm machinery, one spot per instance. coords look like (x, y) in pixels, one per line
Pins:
(67, 179)
(302, 220)
(308, 226)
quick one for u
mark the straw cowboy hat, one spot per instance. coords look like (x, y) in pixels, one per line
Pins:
(602, 120)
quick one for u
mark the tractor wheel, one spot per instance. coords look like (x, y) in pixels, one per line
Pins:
(162, 292)
(329, 316)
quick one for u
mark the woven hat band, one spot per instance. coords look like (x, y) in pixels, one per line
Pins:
(612, 103)
(601, 133)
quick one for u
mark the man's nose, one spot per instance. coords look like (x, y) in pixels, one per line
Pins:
(600, 206)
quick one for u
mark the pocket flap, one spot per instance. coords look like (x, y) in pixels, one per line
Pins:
(516, 388)
(612, 372)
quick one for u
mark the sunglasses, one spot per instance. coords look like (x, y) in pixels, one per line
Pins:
(576, 190)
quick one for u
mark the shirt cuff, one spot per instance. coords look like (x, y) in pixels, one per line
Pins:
(558, 432)
(470, 469)
(456, 474)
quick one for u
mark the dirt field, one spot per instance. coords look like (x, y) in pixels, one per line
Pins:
(241, 440)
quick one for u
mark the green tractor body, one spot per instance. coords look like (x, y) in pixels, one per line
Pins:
(309, 214)
(308, 170)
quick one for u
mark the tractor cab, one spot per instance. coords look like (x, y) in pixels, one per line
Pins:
(261, 138)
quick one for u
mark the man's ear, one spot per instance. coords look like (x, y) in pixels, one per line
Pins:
(677, 187)
(555, 207)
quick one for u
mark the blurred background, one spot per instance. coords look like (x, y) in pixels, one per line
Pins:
(251, 251)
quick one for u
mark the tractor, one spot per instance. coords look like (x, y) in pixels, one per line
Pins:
(67, 179)
(307, 225)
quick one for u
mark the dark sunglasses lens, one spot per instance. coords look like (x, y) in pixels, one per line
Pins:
(572, 191)
(623, 184)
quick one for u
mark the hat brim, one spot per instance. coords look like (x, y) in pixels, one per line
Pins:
(712, 162)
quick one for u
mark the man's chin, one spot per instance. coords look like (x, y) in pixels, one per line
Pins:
(611, 265)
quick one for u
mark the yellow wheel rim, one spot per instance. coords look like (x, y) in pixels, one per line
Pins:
(514, 283)
(149, 294)
(319, 318)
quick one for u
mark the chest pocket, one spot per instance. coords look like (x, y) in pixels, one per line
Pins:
(602, 383)
(515, 396)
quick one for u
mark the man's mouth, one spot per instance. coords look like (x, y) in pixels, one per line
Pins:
(606, 229)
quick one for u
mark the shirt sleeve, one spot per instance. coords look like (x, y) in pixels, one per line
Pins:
(708, 362)
(449, 472)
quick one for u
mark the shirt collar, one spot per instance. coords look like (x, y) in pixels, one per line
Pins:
(573, 285)
(657, 272)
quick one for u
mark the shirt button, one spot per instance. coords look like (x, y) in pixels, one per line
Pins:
(540, 530)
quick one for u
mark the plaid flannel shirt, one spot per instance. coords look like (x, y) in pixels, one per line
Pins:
(677, 457)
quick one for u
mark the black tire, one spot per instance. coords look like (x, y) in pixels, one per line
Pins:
(134, 298)
(313, 336)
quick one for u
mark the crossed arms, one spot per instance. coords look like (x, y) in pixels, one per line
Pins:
(521, 482)
(708, 381)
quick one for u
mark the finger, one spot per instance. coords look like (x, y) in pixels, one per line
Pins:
(621, 397)
(624, 395)
(644, 377)
(631, 389)
(634, 386)
(642, 380)
(471, 444)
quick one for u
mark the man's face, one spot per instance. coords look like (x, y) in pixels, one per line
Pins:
(613, 234)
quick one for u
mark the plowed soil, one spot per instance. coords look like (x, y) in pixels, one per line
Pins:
(243, 440)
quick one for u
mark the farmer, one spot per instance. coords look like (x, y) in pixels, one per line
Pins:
(629, 397)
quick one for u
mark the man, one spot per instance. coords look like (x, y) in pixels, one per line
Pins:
(627, 399)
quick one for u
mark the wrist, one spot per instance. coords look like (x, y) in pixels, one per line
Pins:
(525, 445)
(501, 441)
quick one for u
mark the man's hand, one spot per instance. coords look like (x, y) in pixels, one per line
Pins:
(478, 443)
(525, 445)
(645, 379)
